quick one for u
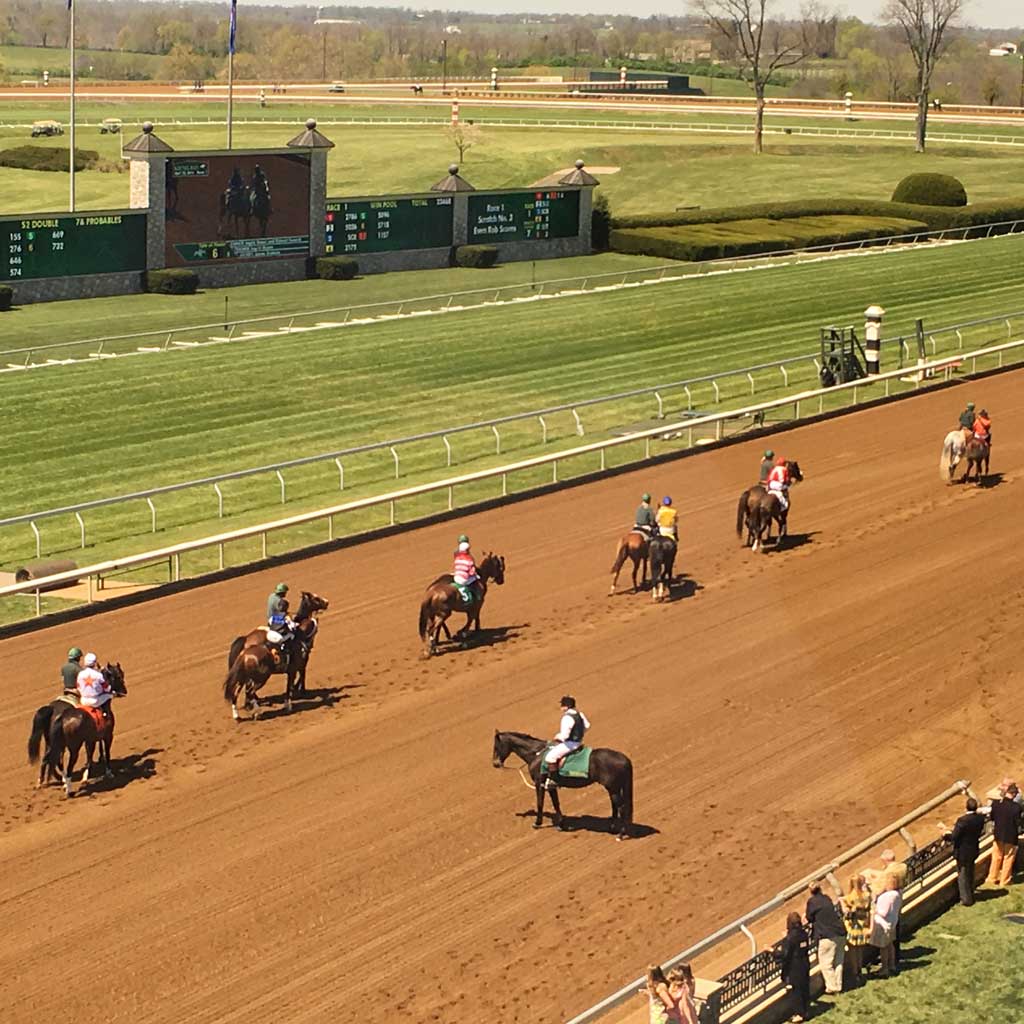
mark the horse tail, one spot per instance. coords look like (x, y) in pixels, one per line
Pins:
(425, 615)
(945, 458)
(236, 649)
(234, 678)
(620, 555)
(626, 797)
(741, 512)
(40, 727)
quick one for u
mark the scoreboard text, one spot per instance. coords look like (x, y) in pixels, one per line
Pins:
(387, 225)
(524, 216)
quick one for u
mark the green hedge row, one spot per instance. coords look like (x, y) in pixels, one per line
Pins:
(46, 158)
(336, 268)
(936, 217)
(6, 297)
(172, 281)
(750, 237)
(479, 256)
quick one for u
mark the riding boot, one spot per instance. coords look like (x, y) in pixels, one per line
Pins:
(552, 782)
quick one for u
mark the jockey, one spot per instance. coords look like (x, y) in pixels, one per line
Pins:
(667, 517)
(983, 428)
(967, 418)
(93, 690)
(778, 482)
(568, 738)
(278, 618)
(464, 571)
(766, 465)
(69, 671)
(644, 518)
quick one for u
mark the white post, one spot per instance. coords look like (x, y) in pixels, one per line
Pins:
(71, 48)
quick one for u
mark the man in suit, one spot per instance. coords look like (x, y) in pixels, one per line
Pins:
(966, 836)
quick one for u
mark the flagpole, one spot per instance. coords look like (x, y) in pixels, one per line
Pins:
(71, 45)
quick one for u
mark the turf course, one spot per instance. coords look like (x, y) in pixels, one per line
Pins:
(658, 170)
(162, 418)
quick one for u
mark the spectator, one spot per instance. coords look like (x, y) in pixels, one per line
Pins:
(878, 880)
(657, 994)
(828, 932)
(884, 924)
(681, 1009)
(966, 836)
(856, 907)
(794, 956)
(1006, 814)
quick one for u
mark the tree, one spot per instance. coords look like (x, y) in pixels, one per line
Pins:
(923, 24)
(463, 137)
(758, 45)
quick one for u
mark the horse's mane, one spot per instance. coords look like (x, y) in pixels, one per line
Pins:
(522, 736)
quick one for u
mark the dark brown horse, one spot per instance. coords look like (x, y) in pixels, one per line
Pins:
(300, 647)
(753, 503)
(663, 557)
(70, 729)
(609, 768)
(977, 454)
(442, 599)
(634, 547)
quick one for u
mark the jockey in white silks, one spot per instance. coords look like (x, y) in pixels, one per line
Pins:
(778, 482)
(93, 689)
(569, 737)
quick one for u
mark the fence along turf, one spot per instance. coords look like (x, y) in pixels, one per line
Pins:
(163, 418)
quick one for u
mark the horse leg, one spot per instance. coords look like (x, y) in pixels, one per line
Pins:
(234, 704)
(72, 758)
(538, 822)
(90, 750)
(557, 809)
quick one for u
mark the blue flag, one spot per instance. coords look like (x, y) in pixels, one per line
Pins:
(231, 28)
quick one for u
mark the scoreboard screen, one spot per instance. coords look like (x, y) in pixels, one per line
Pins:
(524, 216)
(54, 245)
(387, 225)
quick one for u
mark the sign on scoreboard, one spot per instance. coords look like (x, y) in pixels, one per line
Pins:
(387, 225)
(524, 216)
(64, 245)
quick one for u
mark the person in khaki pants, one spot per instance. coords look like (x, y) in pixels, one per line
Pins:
(1006, 815)
(829, 932)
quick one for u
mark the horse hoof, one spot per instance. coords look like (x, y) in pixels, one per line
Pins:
(537, 824)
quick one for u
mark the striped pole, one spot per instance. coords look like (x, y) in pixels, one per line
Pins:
(455, 112)
(71, 47)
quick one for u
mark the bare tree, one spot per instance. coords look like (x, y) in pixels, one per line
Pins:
(757, 44)
(924, 24)
(463, 136)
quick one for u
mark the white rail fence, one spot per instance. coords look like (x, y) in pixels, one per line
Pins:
(807, 402)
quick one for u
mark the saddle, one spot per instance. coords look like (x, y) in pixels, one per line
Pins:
(466, 591)
(575, 765)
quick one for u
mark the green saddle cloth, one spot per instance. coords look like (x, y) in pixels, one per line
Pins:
(465, 592)
(575, 766)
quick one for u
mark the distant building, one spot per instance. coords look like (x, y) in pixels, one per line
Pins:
(452, 30)
(1003, 50)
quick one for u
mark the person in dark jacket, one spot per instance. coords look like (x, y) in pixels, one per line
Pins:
(767, 462)
(1006, 814)
(70, 669)
(644, 518)
(829, 932)
(967, 418)
(966, 836)
(794, 956)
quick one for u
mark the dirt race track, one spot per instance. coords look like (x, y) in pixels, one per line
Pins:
(361, 861)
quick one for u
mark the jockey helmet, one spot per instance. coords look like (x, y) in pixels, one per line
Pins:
(463, 539)
(568, 702)
(90, 660)
(780, 460)
(645, 496)
(281, 588)
(970, 405)
(984, 412)
(464, 545)
(769, 454)
(666, 500)
(75, 653)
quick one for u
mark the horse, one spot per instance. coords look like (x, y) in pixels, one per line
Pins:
(633, 546)
(235, 204)
(663, 556)
(74, 727)
(300, 648)
(259, 203)
(952, 452)
(42, 721)
(977, 454)
(443, 598)
(758, 507)
(610, 768)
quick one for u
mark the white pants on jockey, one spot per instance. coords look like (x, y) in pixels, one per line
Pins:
(783, 497)
(559, 750)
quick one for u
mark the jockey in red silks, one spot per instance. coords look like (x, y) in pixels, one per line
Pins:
(464, 570)
(93, 690)
(983, 427)
(778, 482)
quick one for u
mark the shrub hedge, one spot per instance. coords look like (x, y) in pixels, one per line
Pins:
(600, 222)
(930, 190)
(756, 235)
(47, 158)
(6, 297)
(336, 268)
(173, 281)
(479, 256)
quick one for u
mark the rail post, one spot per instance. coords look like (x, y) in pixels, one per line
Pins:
(176, 570)
(579, 424)
(81, 527)
(394, 455)
(341, 474)
(689, 398)
(263, 544)
(497, 440)
(543, 430)
(785, 376)
(280, 479)
(39, 544)
(220, 501)
(391, 505)
(750, 377)
(220, 555)
(661, 406)
(750, 938)
(39, 602)
(152, 519)
(718, 393)
(451, 497)
(448, 450)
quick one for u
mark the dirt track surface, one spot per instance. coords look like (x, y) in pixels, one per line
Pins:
(361, 861)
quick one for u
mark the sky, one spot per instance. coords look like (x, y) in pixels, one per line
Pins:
(979, 13)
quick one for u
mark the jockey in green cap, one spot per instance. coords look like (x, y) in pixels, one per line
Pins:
(644, 518)
(766, 465)
(69, 671)
(281, 628)
(967, 418)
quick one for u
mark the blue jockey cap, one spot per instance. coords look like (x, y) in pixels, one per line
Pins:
(666, 500)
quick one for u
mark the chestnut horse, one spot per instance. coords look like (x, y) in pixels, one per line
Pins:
(634, 547)
(977, 454)
(72, 728)
(749, 511)
(300, 647)
(443, 598)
